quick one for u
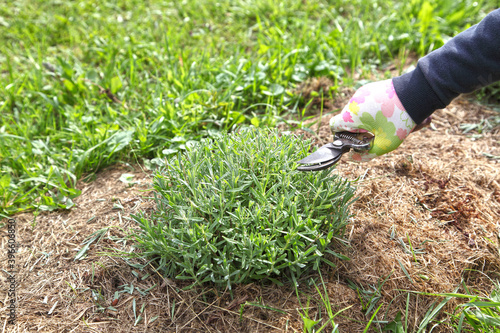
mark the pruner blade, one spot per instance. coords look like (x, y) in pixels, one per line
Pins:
(331, 153)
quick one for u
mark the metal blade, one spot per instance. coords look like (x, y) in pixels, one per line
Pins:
(324, 154)
(317, 167)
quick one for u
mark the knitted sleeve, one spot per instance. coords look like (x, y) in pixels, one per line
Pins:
(468, 61)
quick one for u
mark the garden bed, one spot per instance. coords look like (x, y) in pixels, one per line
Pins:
(440, 191)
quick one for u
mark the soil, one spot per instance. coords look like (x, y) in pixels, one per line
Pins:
(426, 220)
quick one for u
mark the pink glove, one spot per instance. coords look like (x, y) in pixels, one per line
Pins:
(375, 108)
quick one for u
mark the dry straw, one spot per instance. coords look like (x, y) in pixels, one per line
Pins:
(441, 168)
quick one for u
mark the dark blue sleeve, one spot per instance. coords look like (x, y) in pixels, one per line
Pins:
(468, 61)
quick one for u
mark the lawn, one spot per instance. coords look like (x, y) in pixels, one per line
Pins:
(90, 85)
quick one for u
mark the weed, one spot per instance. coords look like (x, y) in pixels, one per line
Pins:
(310, 324)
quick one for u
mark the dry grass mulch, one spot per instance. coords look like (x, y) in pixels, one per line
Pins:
(427, 220)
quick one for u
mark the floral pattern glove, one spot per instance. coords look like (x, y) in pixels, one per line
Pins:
(375, 108)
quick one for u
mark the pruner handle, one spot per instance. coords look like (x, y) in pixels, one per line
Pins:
(357, 141)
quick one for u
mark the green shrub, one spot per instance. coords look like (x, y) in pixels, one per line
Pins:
(236, 209)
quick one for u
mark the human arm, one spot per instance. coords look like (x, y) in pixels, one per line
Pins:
(467, 62)
(391, 109)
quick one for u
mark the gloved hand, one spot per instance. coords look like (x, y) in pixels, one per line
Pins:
(375, 108)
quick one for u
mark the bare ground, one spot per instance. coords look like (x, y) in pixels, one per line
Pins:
(427, 220)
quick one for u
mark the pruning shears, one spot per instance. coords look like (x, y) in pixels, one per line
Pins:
(331, 153)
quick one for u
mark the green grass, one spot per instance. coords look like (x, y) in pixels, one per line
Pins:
(85, 84)
(477, 314)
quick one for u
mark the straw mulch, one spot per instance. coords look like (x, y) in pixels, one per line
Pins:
(439, 195)
(427, 220)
